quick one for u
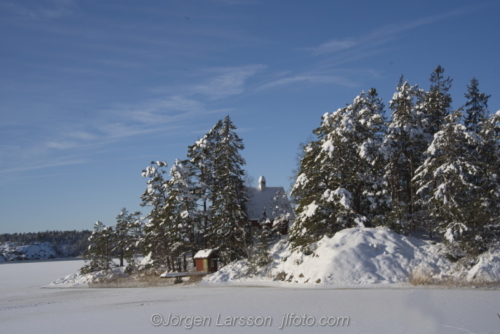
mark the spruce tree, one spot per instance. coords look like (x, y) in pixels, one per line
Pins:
(437, 101)
(405, 142)
(450, 184)
(229, 231)
(489, 155)
(476, 107)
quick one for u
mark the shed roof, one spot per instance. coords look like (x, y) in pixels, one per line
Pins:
(203, 254)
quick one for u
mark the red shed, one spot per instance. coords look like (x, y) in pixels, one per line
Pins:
(206, 260)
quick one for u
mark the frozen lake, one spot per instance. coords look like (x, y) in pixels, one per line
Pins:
(26, 306)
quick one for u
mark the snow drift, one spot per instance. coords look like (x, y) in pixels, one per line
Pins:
(351, 256)
(80, 280)
(487, 268)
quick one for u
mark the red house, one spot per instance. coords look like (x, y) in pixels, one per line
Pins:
(269, 206)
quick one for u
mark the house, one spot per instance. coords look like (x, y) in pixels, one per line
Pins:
(269, 206)
(206, 260)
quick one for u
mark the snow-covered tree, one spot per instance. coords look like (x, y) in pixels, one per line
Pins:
(406, 140)
(128, 232)
(200, 162)
(182, 210)
(489, 157)
(155, 240)
(99, 253)
(281, 212)
(229, 231)
(451, 184)
(259, 253)
(476, 107)
(437, 101)
(340, 182)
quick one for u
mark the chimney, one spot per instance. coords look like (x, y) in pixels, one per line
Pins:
(262, 183)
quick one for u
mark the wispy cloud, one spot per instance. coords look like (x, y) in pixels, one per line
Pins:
(236, 2)
(226, 81)
(311, 79)
(363, 46)
(335, 52)
(332, 46)
(159, 111)
(42, 164)
(74, 142)
(43, 9)
(214, 83)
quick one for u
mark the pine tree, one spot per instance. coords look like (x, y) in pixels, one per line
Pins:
(155, 240)
(340, 180)
(127, 234)
(229, 231)
(201, 164)
(476, 107)
(183, 211)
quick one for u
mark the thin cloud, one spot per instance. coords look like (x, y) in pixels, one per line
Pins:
(311, 79)
(40, 165)
(236, 2)
(338, 51)
(214, 83)
(61, 145)
(48, 9)
(332, 46)
(380, 36)
(160, 111)
(227, 82)
(168, 115)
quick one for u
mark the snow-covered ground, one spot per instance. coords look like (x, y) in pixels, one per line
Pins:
(28, 304)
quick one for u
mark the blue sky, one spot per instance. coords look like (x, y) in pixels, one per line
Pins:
(92, 91)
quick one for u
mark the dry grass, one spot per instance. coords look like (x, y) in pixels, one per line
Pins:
(194, 280)
(135, 280)
(419, 277)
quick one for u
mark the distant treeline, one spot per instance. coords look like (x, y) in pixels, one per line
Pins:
(77, 240)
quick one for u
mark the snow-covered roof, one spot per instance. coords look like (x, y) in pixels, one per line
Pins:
(203, 254)
(263, 198)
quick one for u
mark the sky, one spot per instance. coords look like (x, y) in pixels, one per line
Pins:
(92, 91)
